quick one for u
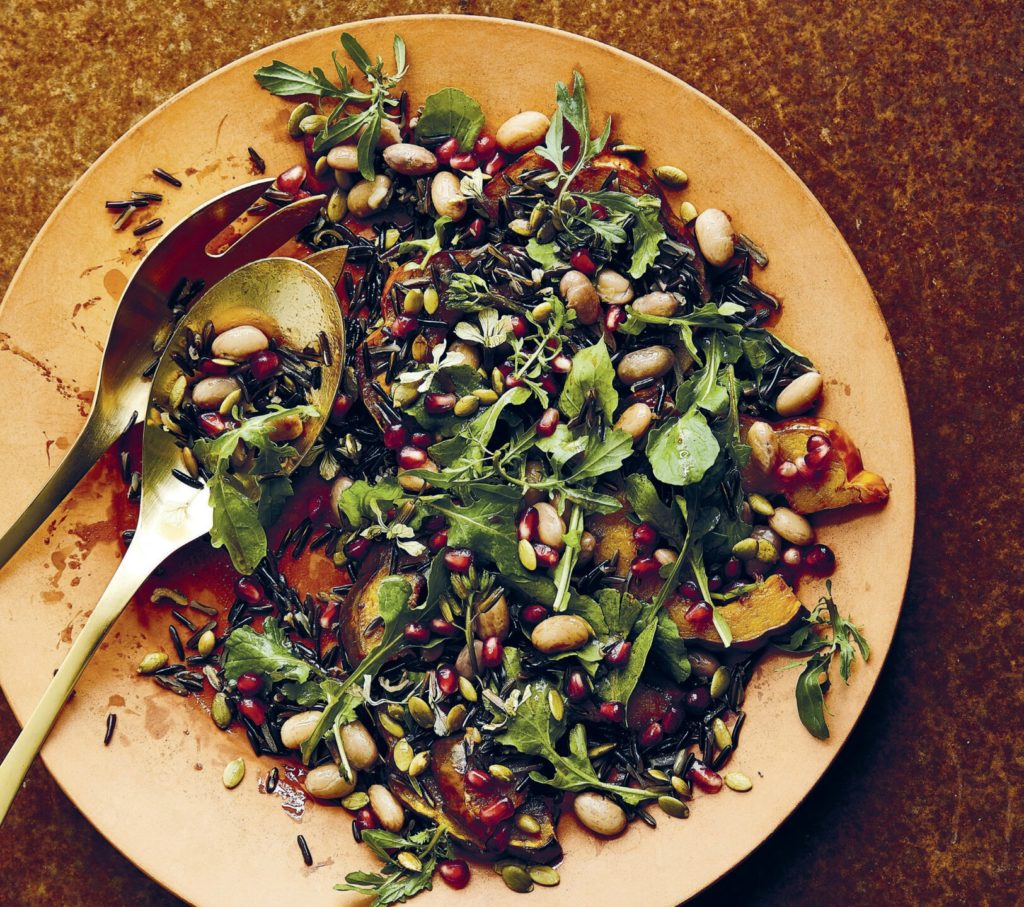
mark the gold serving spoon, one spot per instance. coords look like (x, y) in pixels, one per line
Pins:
(291, 301)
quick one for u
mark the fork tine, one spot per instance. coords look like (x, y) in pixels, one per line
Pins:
(270, 233)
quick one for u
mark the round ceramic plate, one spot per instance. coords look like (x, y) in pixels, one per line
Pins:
(156, 792)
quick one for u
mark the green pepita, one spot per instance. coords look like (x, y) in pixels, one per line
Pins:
(521, 227)
(390, 725)
(154, 661)
(456, 717)
(177, 394)
(466, 406)
(485, 395)
(467, 689)
(546, 232)
(405, 395)
(545, 875)
(312, 124)
(538, 215)
(356, 800)
(305, 109)
(688, 212)
(682, 787)
(497, 381)
(517, 878)
(402, 755)
(542, 312)
(595, 751)
(206, 642)
(410, 861)
(501, 772)
(396, 711)
(234, 772)
(760, 504)
(527, 824)
(421, 713)
(658, 775)
(720, 682)
(527, 556)
(499, 865)
(391, 237)
(473, 736)
(337, 206)
(321, 169)
(723, 739)
(672, 177)
(413, 302)
(629, 150)
(430, 300)
(228, 403)
(188, 460)
(419, 764)
(556, 704)
(738, 781)
(745, 549)
(220, 711)
(673, 807)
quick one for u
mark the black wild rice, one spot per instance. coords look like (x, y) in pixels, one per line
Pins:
(257, 161)
(176, 641)
(111, 724)
(307, 857)
(183, 620)
(162, 174)
(148, 226)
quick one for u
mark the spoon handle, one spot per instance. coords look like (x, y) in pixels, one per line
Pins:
(142, 557)
(95, 438)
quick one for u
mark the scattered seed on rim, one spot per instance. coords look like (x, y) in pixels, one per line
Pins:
(355, 801)
(257, 161)
(111, 724)
(307, 857)
(162, 174)
(517, 878)
(234, 772)
(153, 661)
(148, 227)
(673, 807)
(738, 781)
(544, 875)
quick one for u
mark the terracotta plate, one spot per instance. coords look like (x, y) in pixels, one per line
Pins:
(156, 791)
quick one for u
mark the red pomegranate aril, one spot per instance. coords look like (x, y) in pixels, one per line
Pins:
(786, 471)
(358, 548)
(672, 720)
(440, 404)
(714, 582)
(600, 212)
(254, 710)
(548, 422)
(548, 383)
(534, 614)
(248, 590)
(697, 701)
(404, 326)
(705, 778)
(445, 150)
(416, 634)
(249, 684)
(291, 179)
(690, 591)
(317, 505)
(803, 468)
(820, 560)
(484, 147)
(580, 260)
(480, 781)
(308, 145)
(519, 325)
(475, 230)
(435, 523)
(315, 184)
(458, 560)
(498, 811)
(495, 165)
(528, 523)
(652, 735)
(463, 160)
(213, 423)
(454, 872)
(411, 457)
(618, 654)
(512, 381)
(561, 364)
(614, 318)
(442, 627)
(366, 819)
(613, 711)
(492, 652)
(645, 566)
(447, 679)
(438, 541)
(576, 686)
(501, 837)
(395, 437)
(209, 367)
(645, 535)
(422, 439)
(733, 568)
(340, 407)
(546, 555)
(328, 615)
(699, 614)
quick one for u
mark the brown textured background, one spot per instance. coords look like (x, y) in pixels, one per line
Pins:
(904, 118)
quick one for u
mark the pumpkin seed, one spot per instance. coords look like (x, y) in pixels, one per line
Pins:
(760, 504)
(544, 875)
(396, 711)
(745, 549)
(673, 807)
(629, 150)
(402, 755)
(220, 711)
(421, 713)
(720, 682)
(456, 717)
(420, 349)
(547, 232)
(596, 751)
(501, 772)
(391, 238)
(556, 704)
(687, 212)
(521, 227)
(312, 124)
(682, 787)
(413, 302)
(672, 177)
(738, 781)
(542, 312)
(154, 661)
(723, 739)
(527, 556)
(497, 381)
(499, 865)
(466, 406)
(206, 643)
(473, 736)
(485, 395)
(337, 206)
(526, 823)
(419, 764)
(658, 775)
(405, 395)
(356, 800)
(304, 110)
(177, 394)
(409, 861)
(188, 459)
(173, 595)
(430, 300)
(321, 169)
(234, 772)
(390, 725)
(517, 878)
(467, 689)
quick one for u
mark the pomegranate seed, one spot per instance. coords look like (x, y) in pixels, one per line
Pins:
(645, 566)
(213, 423)
(358, 548)
(561, 364)
(818, 449)
(803, 468)
(548, 422)
(209, 367)
(534, 614)
(792, 557)
(618, 654)
(498, 811)
(317, 505)
(301, 194)
(645, 535)
(454, 872)
(395, 436)
(254, 710)
(690, 591)
(416, 634)
(672, 720)
(366, 819)
(613, 711)
(495, 165)
(327, 616)
(492, 652)
(519, 325)
(705, 778)
(308, 143)
(439, 404)
(435, 523)
(291, 179)
(480, 781)
(447, 679)
(576, 686)
(512, 381)
(697, 701)
(250, 684)
(438, 541)
(699, 614)
(714, 582)
(580, 260)
(475, 230)
(820, 560)
(443, 627)
(458, 560)
(600, 212)
(404, 326)
(248, 590)
(546, 556)
(411, 457)
(315, 184)
(484, 147)
(614, 318)
(422, 439)
(528, 523)
(499, 840)
(548, 383)
(652, 735)
(445, 150)
(786, 471)
(463, 160)
(340, 407)
(733, 568)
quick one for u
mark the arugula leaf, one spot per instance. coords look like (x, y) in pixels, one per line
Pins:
(669, 650)
(450, 112)
(603, 455)
(534, 731)
(618, 684)
(236, 524)
(474, 436)
(429, 247)
(810, 697)
(563, 444)
(287, 81)
(268, 654)
(640, 213)
(545, 254)
(573, 109)
(643, 498)
(396, 884)
(682, 450)
(592, 372)
(361, 501)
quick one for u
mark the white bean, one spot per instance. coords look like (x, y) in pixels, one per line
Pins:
(344, 158)
(409, 159)
(239, 343)
(650, 362)
(714, 236)
(614, 288)
(657, 303)
(386, 807)
(210, 393)
(598, 813)
(799, 395)
(791, 526)
(550, 528)
(561, 633)
(360, 747)
(446, 194)
(495, 621)
(763, 445)
(522, 131)
(635, 420)
(297, 729)
(325, 782)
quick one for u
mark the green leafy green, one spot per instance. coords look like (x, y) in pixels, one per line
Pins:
(464, 379)
(545, 254)
(471, 442)
(268, 654)
(669, 651)
(592, 373)
(395, 883)
(643, 498)
(572, 109)
(603, 455)
(450, 112)
(362, 502)
(429, 247)
(641, 213)
(682, 449)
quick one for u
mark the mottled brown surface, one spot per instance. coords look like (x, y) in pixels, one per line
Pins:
(904, 119)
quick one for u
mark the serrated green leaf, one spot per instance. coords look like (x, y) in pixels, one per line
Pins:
(592, 373)
(451, 112)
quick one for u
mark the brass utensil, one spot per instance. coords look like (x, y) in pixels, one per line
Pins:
(292, 301)
(142, 310)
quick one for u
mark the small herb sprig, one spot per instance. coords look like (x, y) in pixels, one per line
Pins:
(824, 634)
(396, 882)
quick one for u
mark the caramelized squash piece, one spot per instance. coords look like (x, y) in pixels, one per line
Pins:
(360, 608)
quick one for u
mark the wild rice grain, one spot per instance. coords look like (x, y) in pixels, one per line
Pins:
(257, 161)
(162, 174)
(111, 724)
(148, 227)
(307, 857)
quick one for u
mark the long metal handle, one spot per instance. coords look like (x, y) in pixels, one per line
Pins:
(141, 558)
(95, 438)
